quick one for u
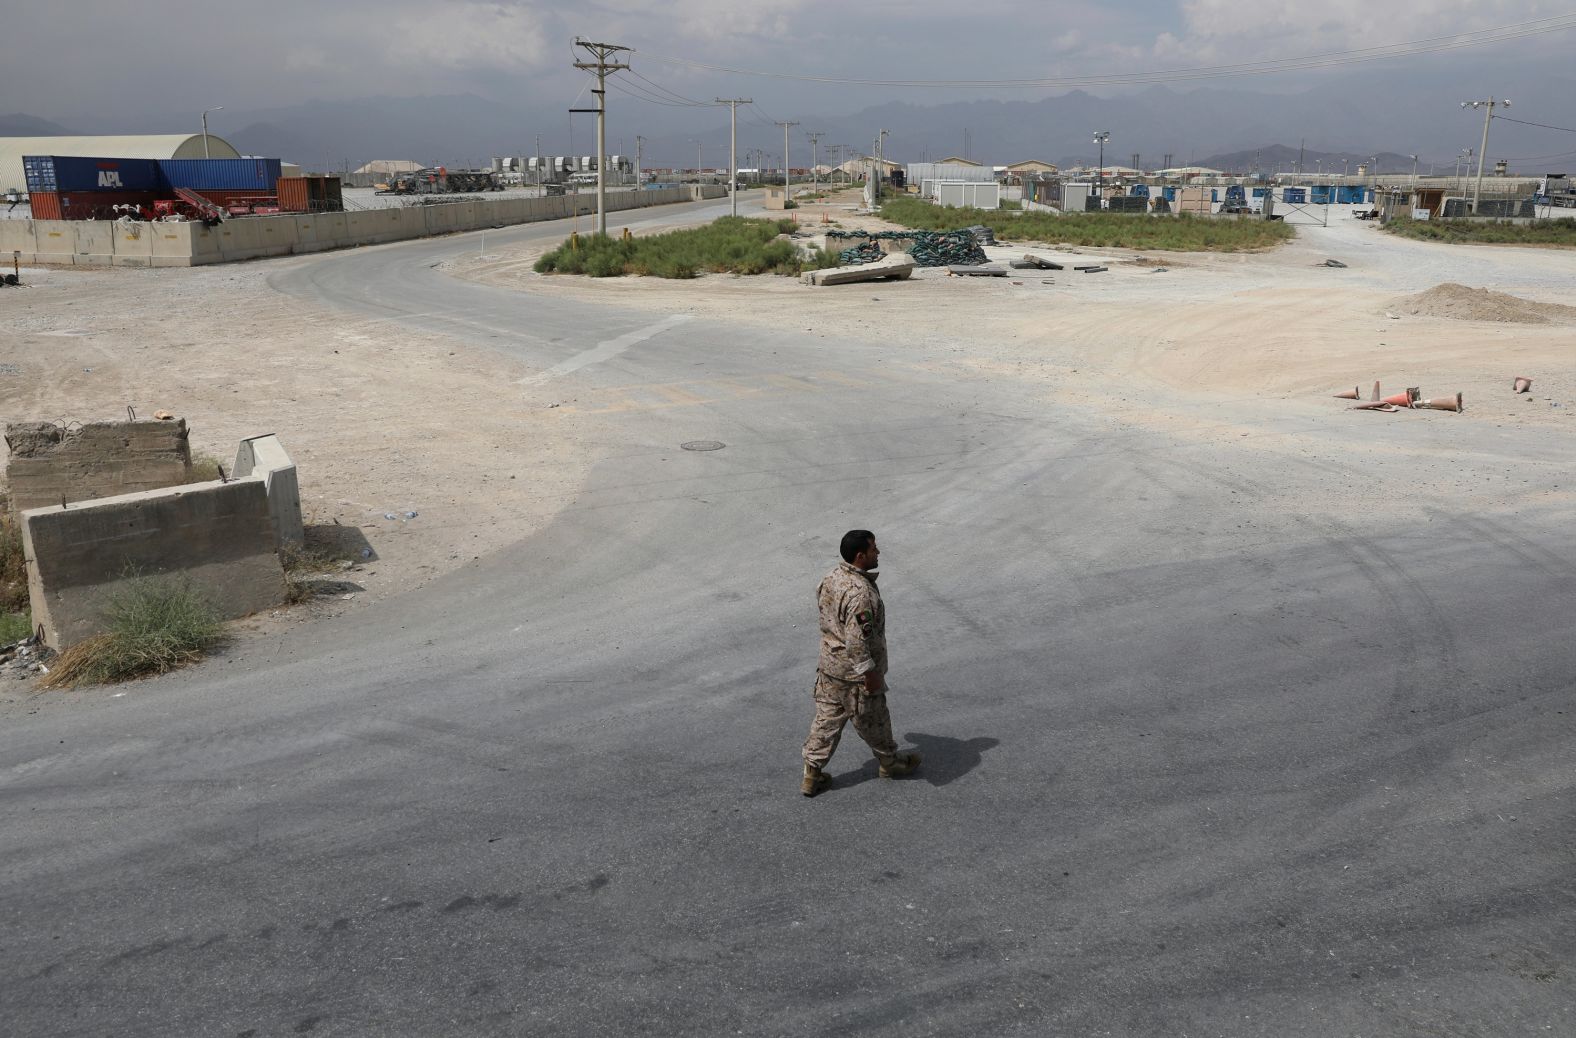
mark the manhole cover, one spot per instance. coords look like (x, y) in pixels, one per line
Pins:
(703, 445)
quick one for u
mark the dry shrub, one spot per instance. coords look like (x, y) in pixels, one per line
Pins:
(156, 625)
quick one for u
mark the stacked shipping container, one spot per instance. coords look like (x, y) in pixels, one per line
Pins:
(62, 187)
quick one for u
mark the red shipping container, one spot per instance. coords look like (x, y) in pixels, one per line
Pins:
(46, 205)
(85, 205)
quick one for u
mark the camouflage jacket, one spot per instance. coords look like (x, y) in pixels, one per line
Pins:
(853, 624)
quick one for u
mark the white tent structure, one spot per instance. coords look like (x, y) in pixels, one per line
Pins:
(137, 146)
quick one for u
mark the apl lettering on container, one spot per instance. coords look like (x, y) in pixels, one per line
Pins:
(64, 173)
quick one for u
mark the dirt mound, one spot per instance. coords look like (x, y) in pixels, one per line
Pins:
(1460, 303)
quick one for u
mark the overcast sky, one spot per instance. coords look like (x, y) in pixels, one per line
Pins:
(74, 58)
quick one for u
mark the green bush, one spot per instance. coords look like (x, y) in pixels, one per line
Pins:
(1179, 233)
(1486, 232)
(732, 244)
(13, 568)
(156, 625)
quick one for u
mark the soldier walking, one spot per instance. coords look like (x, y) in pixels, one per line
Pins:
(850, 681)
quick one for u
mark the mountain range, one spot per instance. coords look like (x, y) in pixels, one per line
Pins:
(1234, 129)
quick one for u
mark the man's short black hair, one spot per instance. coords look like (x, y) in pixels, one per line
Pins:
(854, 542)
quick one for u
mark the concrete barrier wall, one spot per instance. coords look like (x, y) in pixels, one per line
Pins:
(218, 536)
(104, 243)
(265, 457)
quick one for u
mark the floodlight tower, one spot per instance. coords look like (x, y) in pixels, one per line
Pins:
(1100, 137)
(1488, 117)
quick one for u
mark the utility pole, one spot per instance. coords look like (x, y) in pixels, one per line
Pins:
(640, 178)
(1488, 116)
(815, 179)
(787, 186)
(733, 147)
(601, 66)
(880, 169)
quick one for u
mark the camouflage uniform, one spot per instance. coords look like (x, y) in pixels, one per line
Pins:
(853, 643)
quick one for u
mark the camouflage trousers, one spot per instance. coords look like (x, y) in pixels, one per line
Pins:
(837, 703)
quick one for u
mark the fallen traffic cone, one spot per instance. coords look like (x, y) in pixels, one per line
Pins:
(1445, 403)
(1373, 405)
(1521, 385)
(1355, 394)
(1406, 399)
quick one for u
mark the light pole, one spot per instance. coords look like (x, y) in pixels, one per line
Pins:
(1100, 137)
(205, 111)
(1414, 172)
(1488, 117)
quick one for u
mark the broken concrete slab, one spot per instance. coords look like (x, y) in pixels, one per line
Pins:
(1093, 269)
(976, 271)
(1037, 262)
(897, 265)
(51, 462)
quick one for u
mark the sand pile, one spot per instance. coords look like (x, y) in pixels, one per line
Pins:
(1460, 303)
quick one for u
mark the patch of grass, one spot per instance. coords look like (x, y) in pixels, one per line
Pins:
(156, 625)
(1560, 232)
(1011, 205)
(15, 626)
(1180, 233)
(205, 469)
(730, 245)
(13, 567)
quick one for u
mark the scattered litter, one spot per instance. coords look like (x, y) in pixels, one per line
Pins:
(411, 515)
(163, 416)
(1159, 270)
(87, 371)
(1393, 317)
(10, 369)
(1374, 405)
(1096, 269)
(1334, 263)
(1438, 403)
(1522, 384)
(1017, 282)
(390, 515)
(366, 553)
(1031, 260)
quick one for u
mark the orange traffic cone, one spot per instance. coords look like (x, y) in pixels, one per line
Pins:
(1521, 385)
(1376, 392)
(1355, 394)
(1445, 403)
(1406, 399)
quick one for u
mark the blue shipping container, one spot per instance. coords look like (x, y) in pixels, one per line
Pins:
(1321, 194)
(1296, 195)
(221, 174)
(1141, 190)
(73, 173)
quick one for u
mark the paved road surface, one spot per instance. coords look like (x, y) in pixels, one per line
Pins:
(1199, 760)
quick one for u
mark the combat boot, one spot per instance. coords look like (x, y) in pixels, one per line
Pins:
(815, 780)
(901, 764)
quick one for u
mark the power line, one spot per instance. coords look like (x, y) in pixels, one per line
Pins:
(1523, 122)
(1498, 34)
(671, 93)
(635, 91)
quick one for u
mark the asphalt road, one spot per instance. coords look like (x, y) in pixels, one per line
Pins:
(1198, 760)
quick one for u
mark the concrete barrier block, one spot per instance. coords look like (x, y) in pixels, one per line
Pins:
(265, 457)
(133, 244)
(206, 245)
(17, 236)
(305, 232)
(275, 234)
(54, 241)
(219, 536)
(170, 244)
(95, 242)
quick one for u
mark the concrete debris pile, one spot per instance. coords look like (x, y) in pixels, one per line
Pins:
(21, 660)
(929, 248)
(53, 462)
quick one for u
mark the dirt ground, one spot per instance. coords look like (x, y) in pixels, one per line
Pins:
(1158, 338)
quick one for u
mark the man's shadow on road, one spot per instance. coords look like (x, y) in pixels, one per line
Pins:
(943, 759)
